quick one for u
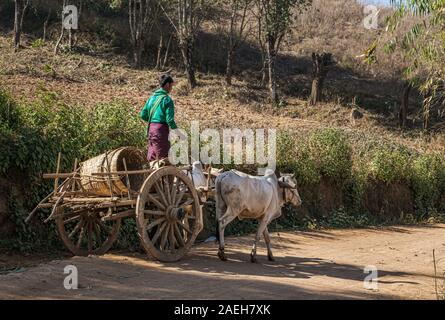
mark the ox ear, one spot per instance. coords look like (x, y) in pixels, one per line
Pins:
(284, 185)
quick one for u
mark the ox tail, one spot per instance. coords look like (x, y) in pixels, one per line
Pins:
(219, 206)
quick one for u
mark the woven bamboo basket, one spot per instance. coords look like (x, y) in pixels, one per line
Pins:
(113, 161)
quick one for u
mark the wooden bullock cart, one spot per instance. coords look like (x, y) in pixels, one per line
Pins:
(89, 204)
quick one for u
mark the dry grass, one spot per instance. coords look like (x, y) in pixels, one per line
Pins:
(334, 26)
(337, 26)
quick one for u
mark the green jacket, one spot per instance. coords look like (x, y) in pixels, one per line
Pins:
(165, 113)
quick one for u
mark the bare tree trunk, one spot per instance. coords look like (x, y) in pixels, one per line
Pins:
(271, 59)
(426, 119)
(187, 55)
(25, 8)
(189, 18)
(317, 87)
(321, 64)
(229, 67)
(167, 51)
(403, 112)
(264, 77)
(62, 31)
(137, 54)
(158, 58)
(17, 24)
(142, 15)
(72, 33)
(45, 25)
(231, 45)
(76, 32)
(70, 39)
(135, 12)
(426, 116)
(56, 47)
(134, 32)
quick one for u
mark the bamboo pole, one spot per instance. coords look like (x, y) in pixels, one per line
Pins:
(91, 200)
(121, 215)
(50, 176)
(73, 187)
(115, 204)
(122, 173)
(209, 176)
(128, 178)
(56, 180)
(43, 206)
(55, 208)
(109, 176)
(40, 205)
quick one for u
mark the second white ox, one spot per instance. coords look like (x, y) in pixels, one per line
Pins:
(242, 196)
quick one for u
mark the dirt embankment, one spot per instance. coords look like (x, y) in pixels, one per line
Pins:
(309, 265)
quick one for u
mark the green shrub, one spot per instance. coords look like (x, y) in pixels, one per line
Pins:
(9, 112)
(353, 192)
(327, 152)
(293, 157)
(37, 43)
(49, 70)
(33, 134)
(342, 218)
(428, 181)
(305, 168)
(389, 164)
(110, 126)
(286, 151)
(332, 153)
(10, 121)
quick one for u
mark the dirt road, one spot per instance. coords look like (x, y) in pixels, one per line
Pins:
(309, 265)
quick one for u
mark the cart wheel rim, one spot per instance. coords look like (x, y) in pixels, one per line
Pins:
(168, 214)
(84, 233)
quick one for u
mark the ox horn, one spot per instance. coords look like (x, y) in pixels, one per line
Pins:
(285, 185)
(277, 173)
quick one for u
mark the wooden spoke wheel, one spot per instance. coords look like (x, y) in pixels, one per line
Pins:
(84, 232)
(168, 214)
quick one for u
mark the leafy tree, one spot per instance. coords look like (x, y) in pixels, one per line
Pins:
(236, 32)
(143, 15)
(72, 33)
(423, 47)
(186, 17)
(277, 16)
(20, 9)
(321, 64)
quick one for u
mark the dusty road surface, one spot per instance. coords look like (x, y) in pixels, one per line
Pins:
(309, 265)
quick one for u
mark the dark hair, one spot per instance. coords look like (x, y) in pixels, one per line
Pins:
(165, 79)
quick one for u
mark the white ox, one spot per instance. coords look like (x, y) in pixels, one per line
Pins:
(249, 197)
(197, 175)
